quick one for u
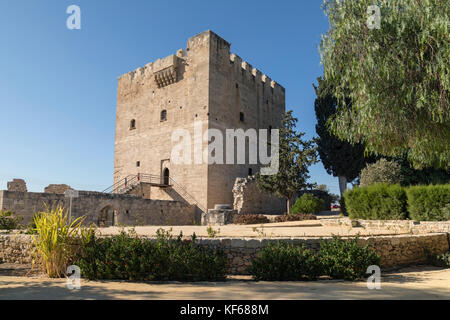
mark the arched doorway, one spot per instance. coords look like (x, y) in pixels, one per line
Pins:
(166, 175)
(107, 217)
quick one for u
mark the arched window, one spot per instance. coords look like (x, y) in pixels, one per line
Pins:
(166, 177)
(164, 115)
(133, 124)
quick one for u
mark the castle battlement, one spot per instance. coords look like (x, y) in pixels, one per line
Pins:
(172, 62)
(253, 73)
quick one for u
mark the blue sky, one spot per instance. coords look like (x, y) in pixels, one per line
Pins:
(58, 86)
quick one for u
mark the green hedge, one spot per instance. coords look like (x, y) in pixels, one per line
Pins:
(378, 201)
(126, 256)
(337, 258)
(392, 202)
(308, 203)
(429, 203)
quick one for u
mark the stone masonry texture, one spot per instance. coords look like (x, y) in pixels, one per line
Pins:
(395, 251)
(103, 209)
(204, 85)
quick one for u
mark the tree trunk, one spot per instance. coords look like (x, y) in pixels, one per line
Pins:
(342, 184)
(288, 202)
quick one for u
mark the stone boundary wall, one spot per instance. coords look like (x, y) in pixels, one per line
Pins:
(16, 248)
(395, 251)
(414, 227)
(115, 208)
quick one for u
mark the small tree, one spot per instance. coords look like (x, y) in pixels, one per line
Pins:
(382, 171)
(308, 203)
(295, 156)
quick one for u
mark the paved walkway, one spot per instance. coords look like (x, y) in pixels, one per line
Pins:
(411, 283)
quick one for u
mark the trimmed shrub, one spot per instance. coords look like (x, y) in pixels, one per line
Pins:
(337, 258)
(346, 259)
(378, 201)
(295, 217)
(382, 171)
(429, 203)
(441, 260)
(307, 203)
(250, 219)
(8, 221)
(285, 262)
(129, 257)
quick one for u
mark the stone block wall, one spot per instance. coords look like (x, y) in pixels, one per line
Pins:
(16, 248)
(112, 209)
(395, 251)
(414, 227)
(248, 199)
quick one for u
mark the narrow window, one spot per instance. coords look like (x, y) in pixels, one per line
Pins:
(133, 124)
(164, 115)
(166, 177)
(138, 163)
(241, 116)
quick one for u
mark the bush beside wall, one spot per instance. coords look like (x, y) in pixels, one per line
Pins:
(337, 259)
(429, 203)
(129, 257)
(250, 219)
(285, 262)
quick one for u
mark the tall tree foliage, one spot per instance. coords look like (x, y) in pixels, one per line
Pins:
(295, 156)
(397, 77)
(339, 157)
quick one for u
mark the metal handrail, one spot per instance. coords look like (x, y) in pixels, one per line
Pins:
(127, 183)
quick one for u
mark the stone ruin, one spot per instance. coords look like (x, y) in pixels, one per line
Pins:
(57, 188)
(248, 199)
(17, 185)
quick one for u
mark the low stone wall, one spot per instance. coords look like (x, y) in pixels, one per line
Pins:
(414, 227)
(395, 251)
(17, 248)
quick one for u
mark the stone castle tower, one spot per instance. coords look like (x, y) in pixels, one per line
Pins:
(203, 84)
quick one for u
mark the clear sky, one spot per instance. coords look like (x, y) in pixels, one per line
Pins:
(58, 86)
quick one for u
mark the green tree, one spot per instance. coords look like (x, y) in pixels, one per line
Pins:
(339, 157)
(397, 77)
(295, 156)
(382, 171)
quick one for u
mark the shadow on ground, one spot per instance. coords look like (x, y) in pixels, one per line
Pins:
(429, 284)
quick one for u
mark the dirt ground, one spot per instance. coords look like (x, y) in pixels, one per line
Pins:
(420, 282)
(308, 228)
